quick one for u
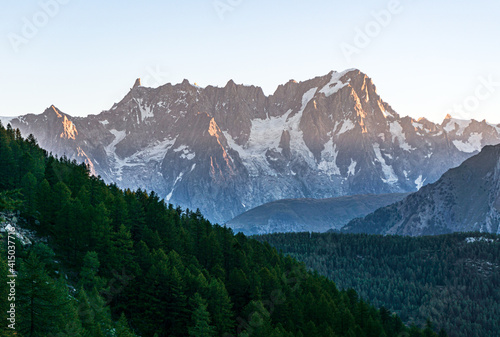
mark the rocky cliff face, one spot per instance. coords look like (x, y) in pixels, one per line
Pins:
(465, 199)
(227, 150)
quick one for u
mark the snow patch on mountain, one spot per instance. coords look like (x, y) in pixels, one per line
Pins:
(419, 182)
(146, 111)
(418, 126)
(386, 113)
(306, 98)
(296, 135)
(457, 124)
(346, 126)
(397, 133)
(335, 84)
(186, 152)
(179, 178)
(390, 175)
(328, 162)
(119, 162)
(155, 152)
(119, 136)
(265, 134)
(472, 145)
(351, 170)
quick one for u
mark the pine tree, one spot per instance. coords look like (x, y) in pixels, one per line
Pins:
(143, 255)
(7, 164)
(219, 306)
(68, 229)
(51, 172)
(259, 324)
(88, 274)
(100, 235)
(122, 249)
(200, 319)
(46, 208)
(101, 312)
(238, 288)
(310, 330)
(44, 305)
(122, 328)
(28, 189)
(86, 314)
(18, 172)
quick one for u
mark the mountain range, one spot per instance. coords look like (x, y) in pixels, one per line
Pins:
(227, 150)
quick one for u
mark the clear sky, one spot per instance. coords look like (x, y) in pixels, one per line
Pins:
(427, 58)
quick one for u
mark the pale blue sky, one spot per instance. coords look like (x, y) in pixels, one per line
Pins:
(427, 59)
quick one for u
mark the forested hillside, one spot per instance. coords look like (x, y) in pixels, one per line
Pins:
(124, 263)
(452, 279)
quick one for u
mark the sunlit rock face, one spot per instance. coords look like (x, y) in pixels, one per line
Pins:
(227, 150)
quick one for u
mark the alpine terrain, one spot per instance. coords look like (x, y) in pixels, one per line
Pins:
(227, 150)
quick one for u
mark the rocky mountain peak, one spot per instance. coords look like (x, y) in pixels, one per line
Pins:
(231, 87)
(61, 122)
(137, 83)
(53, 111)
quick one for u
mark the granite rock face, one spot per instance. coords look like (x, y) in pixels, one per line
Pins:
(227, 150)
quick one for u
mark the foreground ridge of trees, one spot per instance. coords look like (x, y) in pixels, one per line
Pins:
(452, 279)
(124, 263)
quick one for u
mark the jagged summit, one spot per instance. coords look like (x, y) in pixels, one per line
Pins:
(352, 72)
(137, 83)
(54, 112)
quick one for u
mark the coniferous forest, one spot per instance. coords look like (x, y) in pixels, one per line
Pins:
(108, 262)
(453, 279)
